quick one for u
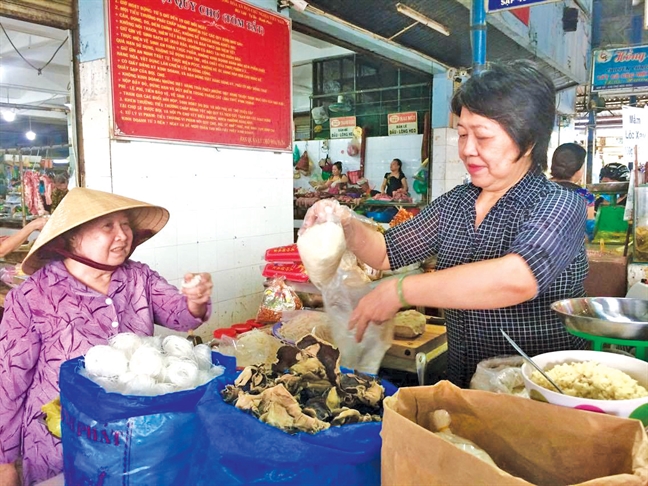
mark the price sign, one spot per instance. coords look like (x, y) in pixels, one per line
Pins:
(342, 127)
(402, 123)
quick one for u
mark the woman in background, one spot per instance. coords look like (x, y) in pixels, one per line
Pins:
(395, 179)
(567, 170)
(60, 182)
(613, 172)
(337, 182)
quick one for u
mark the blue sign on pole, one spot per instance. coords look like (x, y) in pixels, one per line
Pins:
(499, 5)
(620, 69)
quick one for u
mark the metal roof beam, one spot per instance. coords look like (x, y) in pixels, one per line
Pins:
(365, 40)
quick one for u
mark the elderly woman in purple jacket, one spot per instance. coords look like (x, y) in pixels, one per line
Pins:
(83, 290)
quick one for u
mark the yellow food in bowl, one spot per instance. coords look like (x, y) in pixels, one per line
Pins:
(591, 380)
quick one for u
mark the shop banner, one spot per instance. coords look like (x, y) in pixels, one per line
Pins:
(620, 69)
(499, 5)
(204, 71)
(342, 127)
(402, 123)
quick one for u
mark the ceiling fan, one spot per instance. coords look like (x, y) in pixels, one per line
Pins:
(343, 105)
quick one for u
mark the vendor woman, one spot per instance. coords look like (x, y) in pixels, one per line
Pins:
(395, 179)
(83, 290)
(337, 182)
(508, 244)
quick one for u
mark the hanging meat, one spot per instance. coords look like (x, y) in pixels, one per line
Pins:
(47, 183)
(33, 201)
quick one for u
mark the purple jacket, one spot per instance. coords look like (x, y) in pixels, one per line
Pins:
(52, 317)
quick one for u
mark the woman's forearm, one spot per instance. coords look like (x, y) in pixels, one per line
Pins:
(15, 240)
(9, 475)
(487, 284)
(197, 310)
(366, 243)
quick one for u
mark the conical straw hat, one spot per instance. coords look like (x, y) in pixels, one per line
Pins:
(81, 205)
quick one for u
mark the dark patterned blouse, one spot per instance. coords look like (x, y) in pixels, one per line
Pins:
(53, 317)
(535, 219)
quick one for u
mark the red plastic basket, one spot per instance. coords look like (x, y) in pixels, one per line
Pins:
(354, 176)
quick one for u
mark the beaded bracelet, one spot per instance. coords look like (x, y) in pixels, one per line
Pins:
(399, 288)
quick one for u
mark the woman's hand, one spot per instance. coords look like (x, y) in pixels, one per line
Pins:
(325, 210)
(9, 475)
(378, 306)
(37, 224)
(197, 288)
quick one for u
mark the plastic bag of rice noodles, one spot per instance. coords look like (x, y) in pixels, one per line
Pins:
(300, 323)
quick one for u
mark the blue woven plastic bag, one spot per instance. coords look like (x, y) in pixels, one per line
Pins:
(237, 448)
(111, 439)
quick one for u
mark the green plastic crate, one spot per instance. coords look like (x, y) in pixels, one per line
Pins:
(610, 226)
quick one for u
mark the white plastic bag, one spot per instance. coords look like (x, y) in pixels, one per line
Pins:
(501, 374)
(342, 286)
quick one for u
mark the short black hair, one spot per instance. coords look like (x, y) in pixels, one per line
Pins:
(567, 160)
(518, 96)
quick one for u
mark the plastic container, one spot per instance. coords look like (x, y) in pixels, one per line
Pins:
(610, 226)
(224, 331)
(382, 215)
(638, 290)
(254, 323)
(241, 328)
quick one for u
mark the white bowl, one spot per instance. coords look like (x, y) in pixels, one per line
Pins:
(637, 369)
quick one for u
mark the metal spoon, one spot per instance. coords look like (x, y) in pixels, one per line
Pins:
(529, 360)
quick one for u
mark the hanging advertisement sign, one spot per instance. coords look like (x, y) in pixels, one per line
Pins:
(204, 71)
(635, 133)
(635, 138)
(402, 123)
(499, 5)
(620, 69)
(342, 127)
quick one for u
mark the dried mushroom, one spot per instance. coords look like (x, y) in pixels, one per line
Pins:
(304, 391)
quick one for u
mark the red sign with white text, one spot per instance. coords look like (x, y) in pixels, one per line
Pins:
(402, 123)
(204, 71)
(342, 127)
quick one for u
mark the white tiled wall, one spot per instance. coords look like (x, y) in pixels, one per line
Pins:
(447, 169)
(379, 154)
(227, 206)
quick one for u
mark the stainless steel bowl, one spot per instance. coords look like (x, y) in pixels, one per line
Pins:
(605, 316)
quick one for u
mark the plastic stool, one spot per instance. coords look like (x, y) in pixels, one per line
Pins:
(641, 347)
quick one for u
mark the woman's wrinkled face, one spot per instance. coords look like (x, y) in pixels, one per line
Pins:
(489, 154)
(336, 171)
(105, 240)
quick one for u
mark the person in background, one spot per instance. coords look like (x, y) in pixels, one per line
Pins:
(613, 172)
(12, 242)
(60, 182)
(509, 243)
(337, 182)
(395, 179)
(83, 289)
(567, 170)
